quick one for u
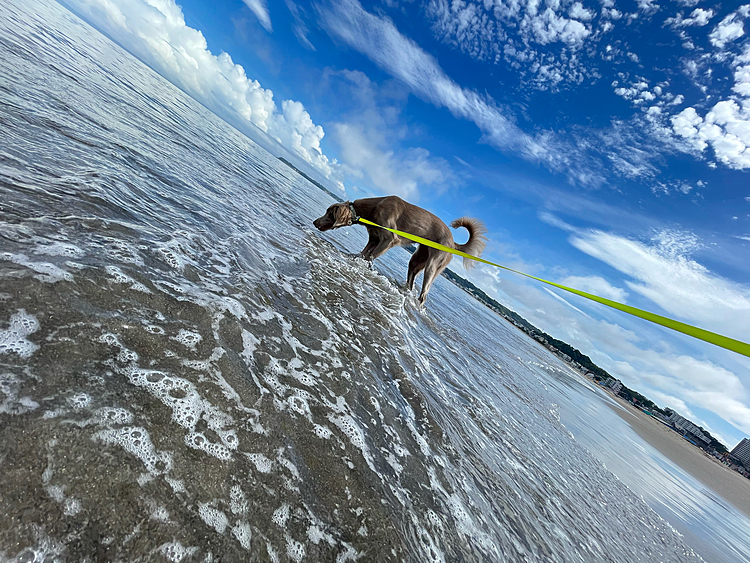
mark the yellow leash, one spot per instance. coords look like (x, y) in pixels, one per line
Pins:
(705, 335)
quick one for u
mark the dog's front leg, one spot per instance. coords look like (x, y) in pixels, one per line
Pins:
(387, 241)
(372, 242)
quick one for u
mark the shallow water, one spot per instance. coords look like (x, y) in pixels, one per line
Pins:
(189, 371)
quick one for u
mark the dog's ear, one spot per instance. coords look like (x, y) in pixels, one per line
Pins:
(339, 213)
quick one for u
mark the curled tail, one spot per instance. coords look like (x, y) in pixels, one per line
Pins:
(477, 239)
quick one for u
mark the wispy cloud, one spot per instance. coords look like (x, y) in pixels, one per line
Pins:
(376, 145)
(381, 42)
(543, 43)
(700, 296)
(260, 9)
(642, 355)
(585, 157)
(300, 26)
(596, 285)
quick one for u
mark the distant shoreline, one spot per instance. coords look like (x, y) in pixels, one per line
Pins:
(728, 484)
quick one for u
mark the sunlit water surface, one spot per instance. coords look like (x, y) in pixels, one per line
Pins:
(190, 372)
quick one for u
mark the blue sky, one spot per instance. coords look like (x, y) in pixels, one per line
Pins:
(605, 143)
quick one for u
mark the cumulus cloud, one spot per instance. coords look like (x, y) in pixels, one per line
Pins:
(156, 32)
(726, 128)
(729, 29)
(260, 9)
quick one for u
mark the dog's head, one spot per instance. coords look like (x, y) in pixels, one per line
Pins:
(338, 215)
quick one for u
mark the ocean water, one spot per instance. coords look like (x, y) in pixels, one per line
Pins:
(190, 372)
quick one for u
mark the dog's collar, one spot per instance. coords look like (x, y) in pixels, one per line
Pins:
(354, 217)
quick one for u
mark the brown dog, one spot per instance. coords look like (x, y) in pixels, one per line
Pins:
(395, 213)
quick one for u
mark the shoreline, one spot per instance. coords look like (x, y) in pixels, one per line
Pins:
(728, 484)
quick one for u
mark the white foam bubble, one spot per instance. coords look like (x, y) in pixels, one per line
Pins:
(175, 552)
(47, 271)
(122, 251)
(113, 415)
(13, 339)
(137, 441)
(262, 463)
(198, 441)
(280, 516)
(299, 405)
(188, 339)
(237, 500)
(79, 401)
(294, 549)
(430, 551)
(322, 431)
(243, 533)
(118, 276)
(60, 249)
(349, 427)
(213, 517)
(178, 486)
(170, 254)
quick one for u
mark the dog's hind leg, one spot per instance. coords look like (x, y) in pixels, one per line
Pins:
(435, 265)
(416, 265)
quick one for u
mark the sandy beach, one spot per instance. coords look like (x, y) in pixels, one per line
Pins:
(730, 485)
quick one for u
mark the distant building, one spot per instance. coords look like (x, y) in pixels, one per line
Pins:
(614, 384)
(686, 427)
(742, 451)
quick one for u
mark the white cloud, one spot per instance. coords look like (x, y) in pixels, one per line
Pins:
(642, 357)
(729, 29)
(596, 285)
(155, 31)
(726, 127)
(402, 173)
(299, 27)
(401, 57)
(664, 273)
(586, 161)
(699, 17)
(648, 7)
(260, 9)
(374, 139)
(545, 44)
(578, 12)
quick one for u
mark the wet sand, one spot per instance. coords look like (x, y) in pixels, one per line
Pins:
(728, 484)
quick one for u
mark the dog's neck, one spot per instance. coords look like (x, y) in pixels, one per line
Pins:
(354, 216)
